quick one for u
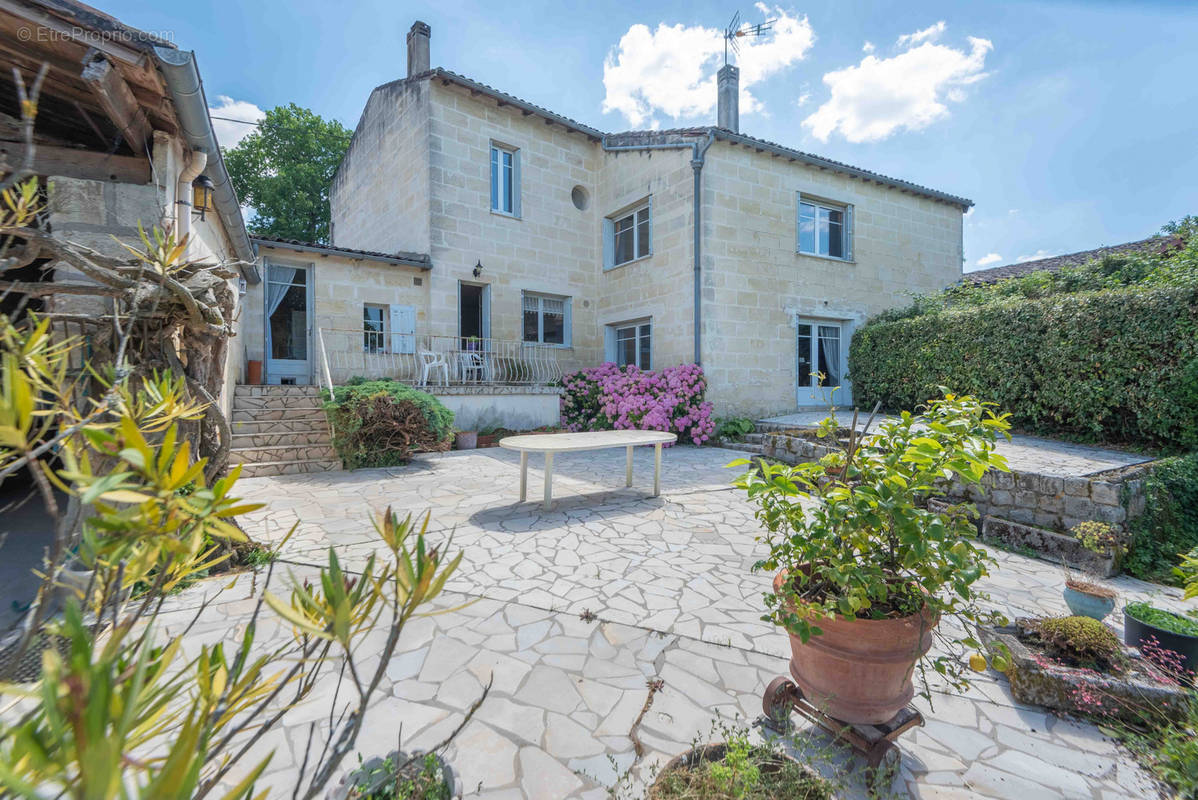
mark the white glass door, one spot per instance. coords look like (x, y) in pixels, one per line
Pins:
(822, 350)
(288, 324)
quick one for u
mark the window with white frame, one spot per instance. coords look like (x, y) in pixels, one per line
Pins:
(374, 328)
(820, 357)
(825, 229)
(546, 319)
(628, 236)
(631, 343)
(505, 180)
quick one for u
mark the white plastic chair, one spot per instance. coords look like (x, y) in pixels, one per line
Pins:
(471, 366)
(430, 361)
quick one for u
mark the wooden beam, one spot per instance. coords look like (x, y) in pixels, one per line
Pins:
(86, 164)
(117, 100)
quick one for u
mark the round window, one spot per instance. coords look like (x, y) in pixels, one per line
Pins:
(580, 197)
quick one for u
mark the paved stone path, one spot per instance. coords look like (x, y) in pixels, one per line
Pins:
(1026, 453)
(670, 582)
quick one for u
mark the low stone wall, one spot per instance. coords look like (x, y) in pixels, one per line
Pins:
(1048, 501)
(517, 408)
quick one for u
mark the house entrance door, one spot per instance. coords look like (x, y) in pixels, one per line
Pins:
(822, 355)
(288, 324)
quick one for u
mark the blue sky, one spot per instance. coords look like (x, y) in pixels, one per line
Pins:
(1070, 124)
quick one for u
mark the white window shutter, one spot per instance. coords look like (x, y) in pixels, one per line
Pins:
(609, 343)
(848, 233)
(568, 323)
(798, 211)
(609, 243)
(403, 329)
(516, 183)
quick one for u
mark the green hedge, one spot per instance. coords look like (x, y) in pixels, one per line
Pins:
(381, 423)
(1116, 366)
(1169, 525)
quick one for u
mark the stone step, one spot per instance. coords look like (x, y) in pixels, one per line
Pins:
(244, 441)
(754, 438)
(307, 411)
(743, 447)
(262, 469)
(282, 452)
(276, 391)
(260, 426)
(274, 402)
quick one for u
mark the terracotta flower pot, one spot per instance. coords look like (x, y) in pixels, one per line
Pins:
(859, 671)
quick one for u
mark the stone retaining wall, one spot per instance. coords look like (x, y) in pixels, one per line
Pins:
(1049, 501)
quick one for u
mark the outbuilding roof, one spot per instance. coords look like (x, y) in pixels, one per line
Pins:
(420, 260)
(1058, 263)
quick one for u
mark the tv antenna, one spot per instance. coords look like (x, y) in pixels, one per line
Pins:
(736, 30)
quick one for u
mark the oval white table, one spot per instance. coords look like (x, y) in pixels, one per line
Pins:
(550, 443)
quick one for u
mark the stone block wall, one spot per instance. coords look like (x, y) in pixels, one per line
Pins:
(1048, 501)
(755, 284)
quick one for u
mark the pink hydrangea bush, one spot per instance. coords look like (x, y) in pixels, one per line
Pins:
(610, 397)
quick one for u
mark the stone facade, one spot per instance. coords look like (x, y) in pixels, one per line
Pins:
(417, 178)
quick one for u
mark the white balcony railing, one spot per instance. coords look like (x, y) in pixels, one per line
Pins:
(426, 360)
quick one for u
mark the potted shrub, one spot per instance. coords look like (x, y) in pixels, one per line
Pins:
(1084, 595)
(1165, 630)
(735, 770)
(421, 776)
(866, 568)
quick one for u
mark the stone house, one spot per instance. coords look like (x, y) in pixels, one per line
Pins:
(122, 138)
(543, 234)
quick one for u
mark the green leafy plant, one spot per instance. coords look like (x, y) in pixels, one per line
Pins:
(741, 770)
(381, 423)
(1103, 352)
(854, 532)
(1165, 620)
(1081, 642)
(1169, 525)
(284, 170)
(417, 778)
(734, 428)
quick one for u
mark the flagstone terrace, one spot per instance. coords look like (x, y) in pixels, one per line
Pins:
(573, 609)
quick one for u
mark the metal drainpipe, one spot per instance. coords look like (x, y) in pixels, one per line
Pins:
(697, 165)
(699, 154)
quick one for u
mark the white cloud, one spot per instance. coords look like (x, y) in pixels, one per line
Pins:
(868, 47)
(229, 134)
(880, 96)
(1036, 256)
(929, 34)
(804, 99)
(671, 70)
(1012, 211)
(988, 259)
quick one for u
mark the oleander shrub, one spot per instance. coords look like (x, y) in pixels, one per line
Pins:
(610, 397)
(1169, 525)
(381, 423)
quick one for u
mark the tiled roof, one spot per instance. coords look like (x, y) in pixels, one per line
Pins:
(628, 138)
(1057, 263)
(407, 259)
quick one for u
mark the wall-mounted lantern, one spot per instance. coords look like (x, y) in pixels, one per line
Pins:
(478, 269)
(201, 195)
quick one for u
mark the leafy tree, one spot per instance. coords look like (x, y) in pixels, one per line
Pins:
(283, 171)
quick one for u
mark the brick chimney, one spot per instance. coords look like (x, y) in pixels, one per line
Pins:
(727, 83)
(418, 52)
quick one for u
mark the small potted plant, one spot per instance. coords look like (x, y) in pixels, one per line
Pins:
(421, 776)
(866, 566)
(1166, 630)
(1084, 595)
(736, 770)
